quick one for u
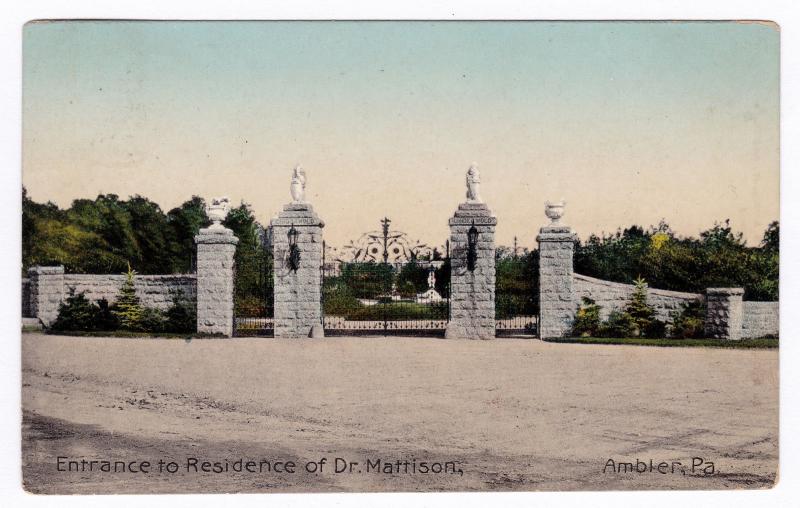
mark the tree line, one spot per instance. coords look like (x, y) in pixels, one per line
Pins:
(105, 234)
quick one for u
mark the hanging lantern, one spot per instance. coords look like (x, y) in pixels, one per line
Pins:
(472, 247)
(294, 251)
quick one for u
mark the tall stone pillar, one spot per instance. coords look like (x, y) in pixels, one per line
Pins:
(47, 291)
(724, 312)
(472, 271)
(216, 246)
(556, 296)
(297, 255)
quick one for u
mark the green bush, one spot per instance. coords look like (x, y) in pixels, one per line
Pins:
(337, 297)
(76, 313)
(618, 324)
(151, 320)
(106, 319)
(587, 319)
(182, 316)
(690, 321)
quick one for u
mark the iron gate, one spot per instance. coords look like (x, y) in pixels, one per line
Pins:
(384, 284)
(253, 289)
(517, 294)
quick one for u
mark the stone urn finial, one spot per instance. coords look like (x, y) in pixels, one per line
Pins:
(473, 184)
(217, 210)
(554, 211)
(298, 185)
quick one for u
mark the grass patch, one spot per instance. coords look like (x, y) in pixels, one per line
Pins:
(760, 343)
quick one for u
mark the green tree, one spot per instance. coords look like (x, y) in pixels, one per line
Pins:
(127, 307)
(185, 222)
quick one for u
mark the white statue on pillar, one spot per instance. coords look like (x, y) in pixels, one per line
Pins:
(431, 279)
(217, 211)
(473, 184)
(298, 186)
(555, 211)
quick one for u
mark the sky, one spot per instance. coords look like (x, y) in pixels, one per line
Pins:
(628, 122)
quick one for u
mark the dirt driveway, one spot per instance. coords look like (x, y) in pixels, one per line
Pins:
(494, 415)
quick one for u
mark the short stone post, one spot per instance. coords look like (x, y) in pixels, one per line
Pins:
(47, 291)
(472, 270)
(556, 298)
(216, 246)
(724, 312)
(297, 255)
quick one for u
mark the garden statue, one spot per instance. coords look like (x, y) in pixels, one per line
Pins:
(298, 186)
(554, 211)
(431, 278)
(473, 184)
(217, 211)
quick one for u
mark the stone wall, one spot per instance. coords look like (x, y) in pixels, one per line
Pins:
(48, 286)
(760, 319)
(472, 292)
(47, 291)
(724, 311)
(612, 296)
(153, 290)
(26, 298)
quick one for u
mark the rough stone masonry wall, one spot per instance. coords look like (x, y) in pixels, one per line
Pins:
(48, 286)
(153, 290)
(47, 292)
(724, 311)
(26, 298)
(760, 319)
(612, 296)
(472, 293)
(297, 294)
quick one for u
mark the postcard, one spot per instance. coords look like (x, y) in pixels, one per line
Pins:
(399, 256)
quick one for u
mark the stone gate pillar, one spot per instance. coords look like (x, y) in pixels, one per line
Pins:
(472, 271)
(216, 246)
(556, 296)
(47, 291)
(724, 312)
(297, 255)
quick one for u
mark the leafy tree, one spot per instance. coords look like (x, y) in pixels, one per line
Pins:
(412, 279)
(517, 283)
(185, 222)
(253, 285)
(151, 235)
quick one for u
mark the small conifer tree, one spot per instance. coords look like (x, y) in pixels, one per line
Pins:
(641, 313)
(127, 308)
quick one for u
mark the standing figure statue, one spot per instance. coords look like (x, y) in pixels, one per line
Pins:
(298, 185)
(473, 184)
(431, 278)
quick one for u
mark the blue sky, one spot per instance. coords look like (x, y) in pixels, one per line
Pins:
(628, 121)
